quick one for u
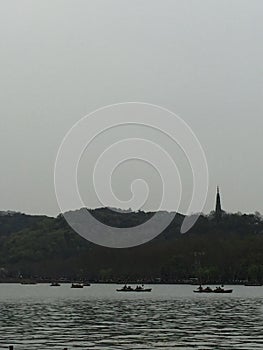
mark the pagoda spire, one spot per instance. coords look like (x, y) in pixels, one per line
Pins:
(218, 210)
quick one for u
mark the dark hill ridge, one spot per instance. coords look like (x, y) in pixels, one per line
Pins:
(11, 222)
(124, 218)
(47, 247)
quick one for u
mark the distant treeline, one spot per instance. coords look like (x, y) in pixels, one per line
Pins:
(226, 250)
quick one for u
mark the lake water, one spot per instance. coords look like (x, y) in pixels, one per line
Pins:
(97, 317)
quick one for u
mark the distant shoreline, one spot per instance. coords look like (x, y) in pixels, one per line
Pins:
(121, 283)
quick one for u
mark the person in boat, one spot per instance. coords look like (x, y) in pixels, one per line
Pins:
(200, 288)
(139, 288)
(219, 289)
(208, 289)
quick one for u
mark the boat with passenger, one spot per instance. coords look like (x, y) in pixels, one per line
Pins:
(137, 289)
(77, 285)
(217, 290)
(55, 284)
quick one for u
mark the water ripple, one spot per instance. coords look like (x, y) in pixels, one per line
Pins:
(160, 321)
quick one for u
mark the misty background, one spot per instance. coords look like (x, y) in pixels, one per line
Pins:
(60, 60)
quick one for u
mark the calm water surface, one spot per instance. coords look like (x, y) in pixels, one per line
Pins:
(97, 317)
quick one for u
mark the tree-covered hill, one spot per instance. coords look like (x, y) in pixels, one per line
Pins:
(227, 250)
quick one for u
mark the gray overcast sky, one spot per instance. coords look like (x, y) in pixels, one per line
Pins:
(62, 59)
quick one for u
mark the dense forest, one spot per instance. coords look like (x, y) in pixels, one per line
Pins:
(229, 250)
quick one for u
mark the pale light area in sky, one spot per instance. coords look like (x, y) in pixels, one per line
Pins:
(62, 59)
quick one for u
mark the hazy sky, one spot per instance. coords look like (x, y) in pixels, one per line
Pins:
(202, 59)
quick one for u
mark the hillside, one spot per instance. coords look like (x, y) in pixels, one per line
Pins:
(45, 247)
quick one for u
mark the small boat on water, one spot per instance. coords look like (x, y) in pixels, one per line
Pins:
(77, 285)
(138, 289)
(55, 284)
(253, 284)
(86, 284)
(217, 290)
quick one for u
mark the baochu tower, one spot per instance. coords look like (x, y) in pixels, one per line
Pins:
(218, 211)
